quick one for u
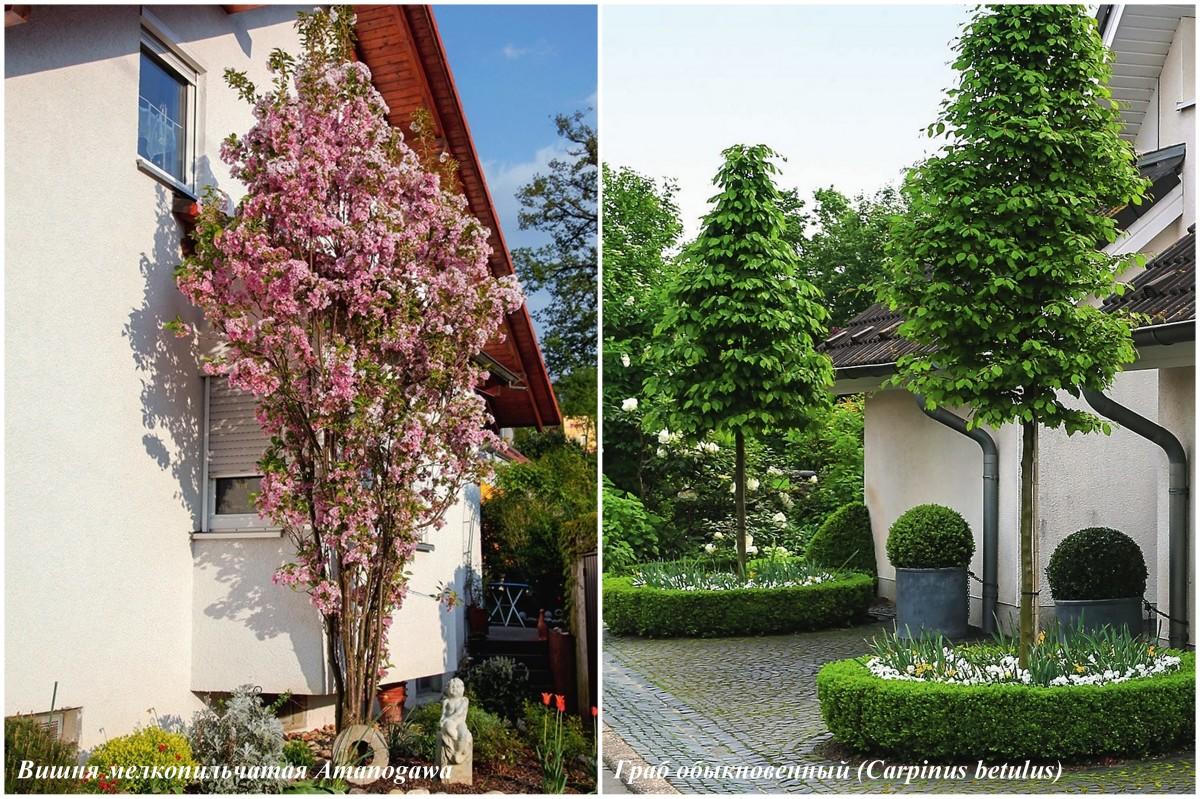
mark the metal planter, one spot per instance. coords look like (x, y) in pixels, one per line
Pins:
(931, 601)
(1092, 614)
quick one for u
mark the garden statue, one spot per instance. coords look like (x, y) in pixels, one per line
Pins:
(455, 744)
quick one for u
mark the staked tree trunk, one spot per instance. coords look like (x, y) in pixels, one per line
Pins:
(1029, 438)
(739, 499)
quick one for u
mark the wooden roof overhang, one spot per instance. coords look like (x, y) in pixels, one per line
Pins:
(404, 51)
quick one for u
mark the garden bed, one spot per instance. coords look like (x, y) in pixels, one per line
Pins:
(634, 606)
(946, 720)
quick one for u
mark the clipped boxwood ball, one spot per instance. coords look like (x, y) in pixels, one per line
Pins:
(1097, 563)
(930, 537)
(844, 540)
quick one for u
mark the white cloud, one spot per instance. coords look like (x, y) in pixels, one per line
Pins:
(514, 52)
(505, 179)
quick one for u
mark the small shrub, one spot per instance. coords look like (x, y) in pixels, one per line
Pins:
(298, 753)
(930, 537)
(844, 540)
(240, 733)
(26, 739)
(928, 720)
(151, 746)
(498, 684)
(494, 738)
(1097, 563)
(537, 717)
(629, 530)
(630, 610)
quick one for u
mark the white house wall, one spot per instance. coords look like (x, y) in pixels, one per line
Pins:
(1177, 413)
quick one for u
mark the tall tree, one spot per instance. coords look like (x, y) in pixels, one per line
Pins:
(995, 263)
(641, 230)
(351, 290)
(562, 203)
(736, 346)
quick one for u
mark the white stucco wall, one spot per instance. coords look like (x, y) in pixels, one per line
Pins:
(105, 593)
(1177, 413)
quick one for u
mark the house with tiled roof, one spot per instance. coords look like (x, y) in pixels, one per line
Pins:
(1126, 481)
(138, 576)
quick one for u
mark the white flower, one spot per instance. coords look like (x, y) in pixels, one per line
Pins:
(812, 479)
(660, 452)
(774, 470)
(751, 550)
(752, 484)
(718, 535)
(750, 542)
(733, 488)
(779, 519)
(629, 405)
(625, 360)
(629, 300)
(707, 446)
(709, 548)
(664, 436)
(785, 500)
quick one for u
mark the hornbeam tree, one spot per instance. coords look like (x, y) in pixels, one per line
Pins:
(994, 265)
(350, 288)
(737, 345)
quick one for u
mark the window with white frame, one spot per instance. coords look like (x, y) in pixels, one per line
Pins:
(166, 111)
(235, 442)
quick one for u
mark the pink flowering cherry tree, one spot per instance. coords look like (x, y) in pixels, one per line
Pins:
(350, 290)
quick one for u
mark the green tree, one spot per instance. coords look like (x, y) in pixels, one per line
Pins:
(844, 255)
(993, 266)
(736, 346)
(641, 229)
(562, 203)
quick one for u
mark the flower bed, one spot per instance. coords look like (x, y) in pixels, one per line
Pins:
(706, 603)
(908, 716)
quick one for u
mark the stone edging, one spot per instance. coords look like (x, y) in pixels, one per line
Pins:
(616, 750)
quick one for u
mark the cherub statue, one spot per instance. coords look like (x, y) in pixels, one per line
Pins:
(455, 737)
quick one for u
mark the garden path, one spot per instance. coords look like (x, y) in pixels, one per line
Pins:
(752, 702)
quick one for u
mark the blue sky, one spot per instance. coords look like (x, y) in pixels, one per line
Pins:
(844, 92)
(516, 67)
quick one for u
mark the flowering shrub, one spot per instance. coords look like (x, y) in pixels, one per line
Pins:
(150, 746)
(1081, 658)
(351, 291)
(697, 576)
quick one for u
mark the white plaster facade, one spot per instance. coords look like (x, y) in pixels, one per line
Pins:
(1115, 481)
(110, 589)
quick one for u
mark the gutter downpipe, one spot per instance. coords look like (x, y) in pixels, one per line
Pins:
(1177, 490)
(991, 505)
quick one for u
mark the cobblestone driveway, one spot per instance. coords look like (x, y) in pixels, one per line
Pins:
(752, 702)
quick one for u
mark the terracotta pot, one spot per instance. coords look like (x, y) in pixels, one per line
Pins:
(477, 620)
(391, 702)
(542, 629)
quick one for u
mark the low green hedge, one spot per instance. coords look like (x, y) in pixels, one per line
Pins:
(630, 610)
(939, 720)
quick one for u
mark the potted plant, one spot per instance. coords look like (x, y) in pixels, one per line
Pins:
(477, 617)
(1098, 577)
(391, 702)
(930, 546)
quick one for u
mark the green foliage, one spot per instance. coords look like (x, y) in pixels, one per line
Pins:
(151, 746)
(1097, 563)
(575, 743)
(992, 265)
(629, 530)
(26, 739)
(930, 537)
(845, 540)
(528, 522)
(843, 254)
(498, 684)
(495, 740)
(915, 720)
(736, 345)
(630, 610)
(562, 203)
(298, 753)
(238, 732)
(691, 575)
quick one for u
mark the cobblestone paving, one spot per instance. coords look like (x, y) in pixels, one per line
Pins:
(753, 702)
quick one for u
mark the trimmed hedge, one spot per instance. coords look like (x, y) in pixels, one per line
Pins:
(1097, 563)
(844, 540)
(930, 537)
(937, 720)
(741, 611)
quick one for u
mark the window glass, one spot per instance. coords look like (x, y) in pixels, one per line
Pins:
(162, 108)
(233, 495)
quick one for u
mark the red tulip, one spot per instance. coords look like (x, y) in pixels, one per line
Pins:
(595, 711)
(546, 700)
(561, 701)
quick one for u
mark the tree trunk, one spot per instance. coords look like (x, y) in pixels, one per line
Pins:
(739, 499)
(1029, 437)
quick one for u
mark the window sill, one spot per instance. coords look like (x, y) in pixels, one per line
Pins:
(1183, 105)
(219, 535)
(167, 180)
(423, 547)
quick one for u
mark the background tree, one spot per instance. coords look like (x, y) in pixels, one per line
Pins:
(562, 203)
(736, 346)
(995, 262)
(351, 290)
